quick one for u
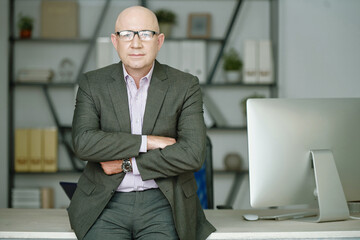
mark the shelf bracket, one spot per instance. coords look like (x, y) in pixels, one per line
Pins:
(222, 48)
(93, 39)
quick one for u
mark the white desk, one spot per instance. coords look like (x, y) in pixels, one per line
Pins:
(54, 224)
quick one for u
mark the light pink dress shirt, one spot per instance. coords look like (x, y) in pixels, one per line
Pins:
(137, 102)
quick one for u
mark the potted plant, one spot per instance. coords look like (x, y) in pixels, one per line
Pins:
(166, 19)
(232, 65)
(25, 25)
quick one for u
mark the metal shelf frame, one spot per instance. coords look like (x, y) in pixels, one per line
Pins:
(63, 130)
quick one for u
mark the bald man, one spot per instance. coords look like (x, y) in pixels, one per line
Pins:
(139, 125)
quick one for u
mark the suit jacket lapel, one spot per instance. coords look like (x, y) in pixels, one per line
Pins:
(118, 93)
(156, 95)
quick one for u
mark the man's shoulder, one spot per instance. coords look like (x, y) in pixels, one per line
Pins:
(99, 76)
(171, 71)
(177, 75)
(104, 71)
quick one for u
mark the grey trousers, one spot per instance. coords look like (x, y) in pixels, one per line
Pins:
(135, 215)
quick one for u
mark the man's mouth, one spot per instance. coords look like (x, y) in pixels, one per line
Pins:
(136, 55)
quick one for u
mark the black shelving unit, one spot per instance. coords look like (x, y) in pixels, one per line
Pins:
(64, 130)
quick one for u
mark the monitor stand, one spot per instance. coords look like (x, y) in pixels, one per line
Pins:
(329, 191)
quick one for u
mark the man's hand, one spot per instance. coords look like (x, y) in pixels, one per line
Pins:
(112, 167)
(154, 142)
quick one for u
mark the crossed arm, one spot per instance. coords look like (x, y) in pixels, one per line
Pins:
(153, 142)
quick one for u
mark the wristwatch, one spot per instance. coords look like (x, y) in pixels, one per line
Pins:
(126, 166)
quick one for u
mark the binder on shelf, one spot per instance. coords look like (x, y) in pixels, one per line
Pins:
(47, 197)
(186, 52)
(199, 60)
(50, 149)
(59, 19)
(170, 54)
(21, 150)
(35, 151)
(186, 55)
(265, 62)
(194, 58)
(250, 62)
(105, 52)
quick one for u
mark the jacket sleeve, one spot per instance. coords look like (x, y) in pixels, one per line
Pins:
(188, 153)
(90, 142)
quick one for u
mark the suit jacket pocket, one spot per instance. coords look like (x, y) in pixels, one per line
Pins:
(86, 185)
(189, 187)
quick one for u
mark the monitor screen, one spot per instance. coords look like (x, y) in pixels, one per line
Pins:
(286, 135)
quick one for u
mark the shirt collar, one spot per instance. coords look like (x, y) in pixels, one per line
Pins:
(147, 76)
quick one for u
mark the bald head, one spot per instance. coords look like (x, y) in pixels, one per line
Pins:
(137, 55)
(137, 18)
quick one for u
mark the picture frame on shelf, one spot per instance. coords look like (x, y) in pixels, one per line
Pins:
(199, 25)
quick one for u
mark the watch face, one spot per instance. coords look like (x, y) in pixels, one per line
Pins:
(126, 166)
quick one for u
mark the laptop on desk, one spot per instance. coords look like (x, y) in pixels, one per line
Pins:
(69, 188)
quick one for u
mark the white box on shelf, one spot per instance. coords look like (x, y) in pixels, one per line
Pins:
(251, 62)
(265, 62)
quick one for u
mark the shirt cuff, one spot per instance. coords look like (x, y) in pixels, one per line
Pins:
(135, 169)
(143, 146)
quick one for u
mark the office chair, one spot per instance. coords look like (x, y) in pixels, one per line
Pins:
(204, 179)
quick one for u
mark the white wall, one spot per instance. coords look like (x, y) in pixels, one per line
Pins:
(319, 48)
(4, 104)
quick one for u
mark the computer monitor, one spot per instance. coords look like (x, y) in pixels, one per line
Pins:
(305, 151)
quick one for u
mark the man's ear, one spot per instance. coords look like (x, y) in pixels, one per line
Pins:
(161, 39)
(114, 40)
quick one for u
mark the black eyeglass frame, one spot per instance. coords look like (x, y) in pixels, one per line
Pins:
(137, 33)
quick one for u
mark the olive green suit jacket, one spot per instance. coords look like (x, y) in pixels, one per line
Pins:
(102, 132)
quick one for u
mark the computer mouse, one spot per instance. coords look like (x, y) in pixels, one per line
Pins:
(251, 217)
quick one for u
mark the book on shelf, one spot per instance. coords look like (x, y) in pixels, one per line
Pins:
(50, 149)
(21, 150)
(47, 197)
(59, 19)
(35, 75)
(36, 150)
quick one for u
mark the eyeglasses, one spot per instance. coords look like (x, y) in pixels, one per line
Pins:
(128, 35)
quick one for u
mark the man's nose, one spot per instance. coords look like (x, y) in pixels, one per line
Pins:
(136, 42)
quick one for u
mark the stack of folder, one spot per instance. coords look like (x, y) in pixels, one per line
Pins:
(26, 198)
(35, 75)
(33, 197)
